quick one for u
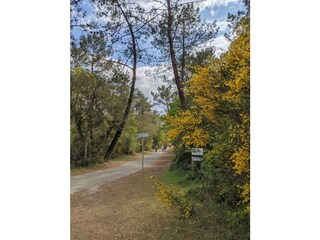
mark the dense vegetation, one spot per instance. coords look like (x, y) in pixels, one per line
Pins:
(218, 121)
(96, 107)
(98, 100)
(207, 102)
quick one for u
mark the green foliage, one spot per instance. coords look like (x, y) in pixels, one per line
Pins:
(188, 31)
(173, 197)
(89, 102)
(218, 120)
(212, 111)
(90, 53)
(224, 221)
(164, 96)
(182, 158)
(96, 110)
(146, 120)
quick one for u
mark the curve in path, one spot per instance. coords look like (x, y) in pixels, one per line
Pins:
(94, 179)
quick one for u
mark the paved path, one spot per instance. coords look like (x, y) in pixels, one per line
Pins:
(91, 180)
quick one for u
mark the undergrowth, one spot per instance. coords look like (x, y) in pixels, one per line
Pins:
(189, 196)
(173, 197)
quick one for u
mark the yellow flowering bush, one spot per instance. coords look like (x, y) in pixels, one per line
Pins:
(220, 114)
(189, 126)
(172, 197)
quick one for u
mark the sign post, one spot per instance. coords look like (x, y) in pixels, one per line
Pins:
(197, 154)
(142, 136)
(142, 154)
(197, 158)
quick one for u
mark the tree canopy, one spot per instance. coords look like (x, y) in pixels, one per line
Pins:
(206, 96)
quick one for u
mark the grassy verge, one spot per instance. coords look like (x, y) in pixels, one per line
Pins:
(212, 220)
(118, 161)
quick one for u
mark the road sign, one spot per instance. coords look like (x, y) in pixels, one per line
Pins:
(196, 154)
(197, 151)
(142, 135)
(196, 158)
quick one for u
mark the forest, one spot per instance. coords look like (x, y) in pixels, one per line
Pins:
(205, 96)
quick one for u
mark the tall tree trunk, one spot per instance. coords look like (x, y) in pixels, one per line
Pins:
(104, 138)
(89, 132)
(183, 52)
(85, 159)
(127, 110)
(173, 57)
(79, 122)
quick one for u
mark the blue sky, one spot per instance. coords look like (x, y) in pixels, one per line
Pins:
(210, 10)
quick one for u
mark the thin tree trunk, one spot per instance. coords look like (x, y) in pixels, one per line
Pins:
(86, 150)
(183, 53)
(79, 121)
(173, 57)
(127, 110)
(89, 134)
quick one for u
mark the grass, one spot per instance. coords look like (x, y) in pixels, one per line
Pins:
(201, 224)
(180, 179)
(207, 218)
(173, 177)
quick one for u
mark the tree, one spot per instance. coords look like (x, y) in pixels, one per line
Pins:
(92, 114)
(147, 120)
(219, 120)
(177, 31)
(164, 95)
(115, 34)
(118, 9)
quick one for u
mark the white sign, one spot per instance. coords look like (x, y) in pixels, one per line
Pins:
(142, 135)
(197, 151)
(195, 159)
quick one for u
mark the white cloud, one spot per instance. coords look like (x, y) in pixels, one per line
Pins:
(146, 83)
(148, 80)
(147, 4)
(220, 43)
(211, 3)
(212, 12)
(223, 25)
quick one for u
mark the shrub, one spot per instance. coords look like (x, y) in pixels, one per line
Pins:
(172, 197)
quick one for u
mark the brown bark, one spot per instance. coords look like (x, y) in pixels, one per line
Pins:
(173, 57)
(127, 110)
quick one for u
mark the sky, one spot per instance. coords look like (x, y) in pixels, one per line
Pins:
(285, 129)
(210, 10)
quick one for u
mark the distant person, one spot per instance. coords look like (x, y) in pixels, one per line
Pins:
(162, 148)
(165, 148)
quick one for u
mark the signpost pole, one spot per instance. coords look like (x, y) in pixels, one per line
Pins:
(142, 135)
(142, 155)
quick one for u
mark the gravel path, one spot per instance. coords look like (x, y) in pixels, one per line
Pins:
(95, 179)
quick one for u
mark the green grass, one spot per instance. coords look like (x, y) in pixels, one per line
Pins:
(180, 179)
(173, 177)
(208, 218)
